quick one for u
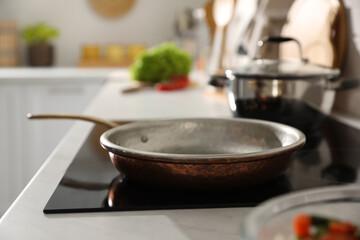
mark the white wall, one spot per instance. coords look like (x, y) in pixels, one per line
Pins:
(149, 22)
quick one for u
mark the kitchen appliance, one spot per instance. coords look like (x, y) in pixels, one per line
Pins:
(284, 91)
(91, 183)
(186, 154)
(202, 154)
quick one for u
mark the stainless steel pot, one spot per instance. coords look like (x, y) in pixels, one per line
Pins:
(286, 91)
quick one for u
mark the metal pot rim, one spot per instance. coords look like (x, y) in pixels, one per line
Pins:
(204, 158)
(270, 69)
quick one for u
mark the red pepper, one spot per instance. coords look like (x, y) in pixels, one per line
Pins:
(175, 82)
(334, 236)
(323, 228)
(342, 228)
(302, 224)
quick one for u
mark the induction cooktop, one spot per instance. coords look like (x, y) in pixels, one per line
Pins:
(331, 156)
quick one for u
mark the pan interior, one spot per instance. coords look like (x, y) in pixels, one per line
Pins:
(201, 136)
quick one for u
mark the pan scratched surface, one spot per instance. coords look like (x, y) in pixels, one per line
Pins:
(202, 153)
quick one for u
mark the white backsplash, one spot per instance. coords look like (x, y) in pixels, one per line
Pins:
(149, 22)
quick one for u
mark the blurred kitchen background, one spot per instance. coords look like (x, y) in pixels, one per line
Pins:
(90, 29)
(96, 34)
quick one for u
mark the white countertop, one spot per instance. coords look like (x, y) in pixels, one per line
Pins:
(54, 72)
(25, 218)
(24, 74)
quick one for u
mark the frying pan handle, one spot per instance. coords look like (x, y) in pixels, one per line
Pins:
(278, 40)
(74, 116)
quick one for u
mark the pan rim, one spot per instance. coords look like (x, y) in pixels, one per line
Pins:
(204, 158)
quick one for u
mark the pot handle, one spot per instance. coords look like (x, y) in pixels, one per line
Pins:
(343, 84)
(278, 40)
(219, 81)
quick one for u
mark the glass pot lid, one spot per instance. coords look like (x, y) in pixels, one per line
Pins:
(282, 69)
(295, 69)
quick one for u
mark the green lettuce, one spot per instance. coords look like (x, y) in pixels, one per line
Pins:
(161, 62)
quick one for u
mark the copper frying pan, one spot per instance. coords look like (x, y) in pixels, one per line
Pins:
(204, 153)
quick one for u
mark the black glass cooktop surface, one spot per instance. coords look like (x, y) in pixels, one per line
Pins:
(92, 184)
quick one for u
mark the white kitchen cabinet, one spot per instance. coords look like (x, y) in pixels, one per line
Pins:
(25, 144)
(10, 175)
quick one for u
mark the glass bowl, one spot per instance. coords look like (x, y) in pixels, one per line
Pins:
(273, 219)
